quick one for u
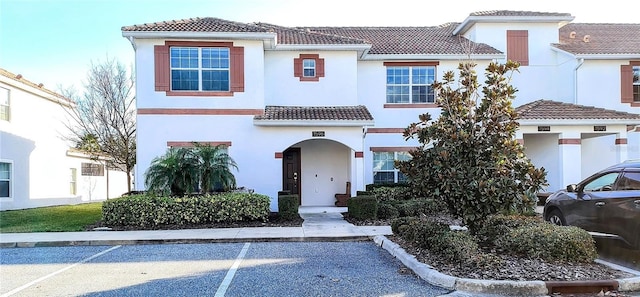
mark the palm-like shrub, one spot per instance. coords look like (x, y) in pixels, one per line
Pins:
(183, 170)
(175, 173)
(214, 165)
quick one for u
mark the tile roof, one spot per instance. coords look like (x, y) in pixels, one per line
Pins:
(515, 13)
(553, 110)
(410, 40)
(19, 78)
(602, 39)
(316, 113)
(293, 35)
(207, 24)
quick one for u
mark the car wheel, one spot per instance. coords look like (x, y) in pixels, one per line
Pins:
(556, 218)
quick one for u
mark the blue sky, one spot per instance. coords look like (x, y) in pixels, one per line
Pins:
(55, 41)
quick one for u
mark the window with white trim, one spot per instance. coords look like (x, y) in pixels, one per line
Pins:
(5, 110)
(200, 68)
(309, 68)
(636, 83)
(5, 180)
(410, 84)
(384, 171)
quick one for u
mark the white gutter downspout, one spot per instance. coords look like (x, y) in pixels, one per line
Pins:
(575, 80)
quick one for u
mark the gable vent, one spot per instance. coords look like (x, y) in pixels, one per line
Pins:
(572, 35)
(586, 38)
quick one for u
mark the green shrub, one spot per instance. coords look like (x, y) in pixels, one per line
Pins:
(392, 193)
(370, 187)
(362, 207)
(397, 224)
(421, 206)
(149, 211)
(288, 207)
(551, 242)
(497, 226)
(387, 211)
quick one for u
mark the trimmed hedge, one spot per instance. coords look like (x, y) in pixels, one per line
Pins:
(288, 207)
(362, 207)
(151, 211)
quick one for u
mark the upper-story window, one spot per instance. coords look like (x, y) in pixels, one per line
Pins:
(410, 84)
(5, 110)
(308, 67)
(518, 46)
(200, 69)
(630, 83)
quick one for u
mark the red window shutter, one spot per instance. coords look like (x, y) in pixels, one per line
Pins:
(320, 67)
(626, 83)
(237, 69)
(518, 46)
(162, 68)
(297, 67)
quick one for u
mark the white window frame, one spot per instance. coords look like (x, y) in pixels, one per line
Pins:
(200, 68)
(308, 65)
(73, 183)
(396, 171)
(5, 104)
(10, 179)
(392, 83)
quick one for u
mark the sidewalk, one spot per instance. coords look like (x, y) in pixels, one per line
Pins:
(320, 223)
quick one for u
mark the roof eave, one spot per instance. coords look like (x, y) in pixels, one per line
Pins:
(472, 20)
(269, 38)
(324, 47)
(627, 56)
(457, 57)
(316, 123)
(577, 122)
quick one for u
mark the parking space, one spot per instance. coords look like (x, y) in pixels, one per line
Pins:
(221, 269)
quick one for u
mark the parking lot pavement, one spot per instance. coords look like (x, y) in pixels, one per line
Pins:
(216, 269)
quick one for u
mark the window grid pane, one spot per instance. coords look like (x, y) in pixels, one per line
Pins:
(200, 69)
(5, 180)
(384, 170)
(410, 84)
(636, 83)
(4, 104)
(308, 68)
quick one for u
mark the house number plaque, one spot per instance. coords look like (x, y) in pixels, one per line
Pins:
(317, 133)
(599, 128)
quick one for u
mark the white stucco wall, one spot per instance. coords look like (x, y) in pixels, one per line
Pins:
(337, 88)
(32, 141)
(325, 171)
(543, 151)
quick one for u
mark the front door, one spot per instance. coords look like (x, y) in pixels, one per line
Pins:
(291, 171)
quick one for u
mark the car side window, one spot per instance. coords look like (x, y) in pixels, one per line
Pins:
(602, 183)
(629, 181)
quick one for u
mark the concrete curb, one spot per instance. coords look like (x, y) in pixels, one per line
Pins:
(498, 287)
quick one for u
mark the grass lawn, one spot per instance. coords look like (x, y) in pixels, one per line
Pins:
(51, 219)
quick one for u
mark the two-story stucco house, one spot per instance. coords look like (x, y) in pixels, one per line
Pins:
(37, 166)
(308, 109)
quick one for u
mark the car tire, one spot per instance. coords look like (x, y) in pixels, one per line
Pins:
(555, 217)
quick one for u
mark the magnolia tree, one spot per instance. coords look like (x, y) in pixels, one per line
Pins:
(469, 157)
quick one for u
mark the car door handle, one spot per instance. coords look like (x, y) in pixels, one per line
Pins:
(599, 203)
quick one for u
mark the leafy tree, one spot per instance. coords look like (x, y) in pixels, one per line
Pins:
(469, 157)
(102, 120)
(215, 168)
(175, 173)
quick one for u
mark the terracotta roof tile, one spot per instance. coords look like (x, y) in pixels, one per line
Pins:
(19, 78)
(293, 35)
(515, 13)
(410, 40)
(602, 39)
(553, 110)
(196, 25)
(316, 113)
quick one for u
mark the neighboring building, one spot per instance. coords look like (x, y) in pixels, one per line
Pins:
(37, 166)
(307, 109)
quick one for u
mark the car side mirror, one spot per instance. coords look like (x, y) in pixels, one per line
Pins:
(572, 188)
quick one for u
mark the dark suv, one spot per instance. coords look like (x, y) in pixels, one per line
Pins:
(606, 204)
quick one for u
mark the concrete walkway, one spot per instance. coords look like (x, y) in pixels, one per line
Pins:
(320, 224)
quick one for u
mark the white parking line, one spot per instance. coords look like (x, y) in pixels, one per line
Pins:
(232, 272)
(18, 289)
